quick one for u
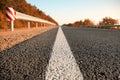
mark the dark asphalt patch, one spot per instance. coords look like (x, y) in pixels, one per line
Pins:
(29, 59)
(97, 52)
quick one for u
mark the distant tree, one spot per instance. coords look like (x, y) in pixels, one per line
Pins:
(2, 4)
(88, 22)
(78, 23)
(3, 23)
(108, 21)
(70, 24)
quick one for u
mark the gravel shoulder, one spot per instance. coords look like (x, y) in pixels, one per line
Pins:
(97, 52)
(8, 38)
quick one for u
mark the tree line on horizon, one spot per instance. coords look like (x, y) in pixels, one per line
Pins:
(24, 7)
(106, 22)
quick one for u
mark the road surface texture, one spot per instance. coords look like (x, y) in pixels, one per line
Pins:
(80, 54)
(97, 52)
(62, 64)
(29, 59)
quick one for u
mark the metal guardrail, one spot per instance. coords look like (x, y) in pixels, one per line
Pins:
(109, 25)
(23, 16)
(12, 15)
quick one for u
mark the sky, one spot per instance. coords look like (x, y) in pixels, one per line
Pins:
(69, 11)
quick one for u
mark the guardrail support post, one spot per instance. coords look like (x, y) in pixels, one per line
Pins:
(12, 25)
(28, 25)
(36, 25)
(40, 24)
(44, 24)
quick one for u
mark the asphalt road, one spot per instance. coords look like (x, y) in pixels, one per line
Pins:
(29, 59)
(97, 52)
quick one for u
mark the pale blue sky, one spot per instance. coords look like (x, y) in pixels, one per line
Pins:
(66, 11)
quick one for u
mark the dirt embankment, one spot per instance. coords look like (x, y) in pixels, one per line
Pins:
(8, 38)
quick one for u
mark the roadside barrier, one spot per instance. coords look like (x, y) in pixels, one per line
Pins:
(12, 15)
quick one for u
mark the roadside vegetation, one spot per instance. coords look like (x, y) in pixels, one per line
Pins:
(107, 22)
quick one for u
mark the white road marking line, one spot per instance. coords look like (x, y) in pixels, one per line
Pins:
(62, 64)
